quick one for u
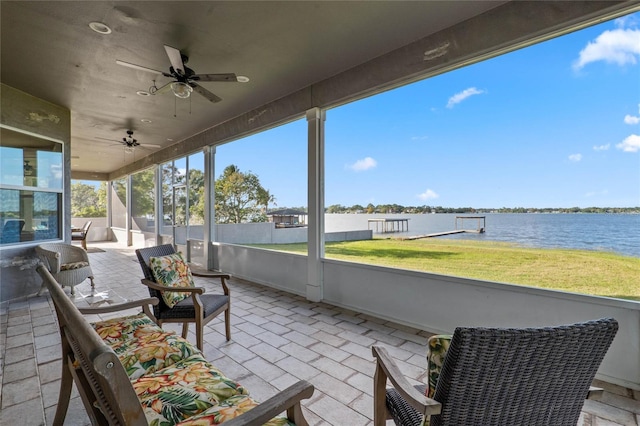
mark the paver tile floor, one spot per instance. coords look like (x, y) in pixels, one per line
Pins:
(277, 338)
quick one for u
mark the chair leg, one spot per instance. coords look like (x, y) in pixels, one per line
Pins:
(199, 333)
(73, 290)
(185, 329)
(227, 322)
(93, 285)
(84, 244)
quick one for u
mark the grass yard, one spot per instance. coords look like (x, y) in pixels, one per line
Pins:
(578, 271)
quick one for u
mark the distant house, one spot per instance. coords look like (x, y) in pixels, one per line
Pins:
(288, 218)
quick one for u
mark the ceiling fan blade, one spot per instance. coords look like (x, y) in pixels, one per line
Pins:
(109, 140)
(175, 57)
(139, 67)
(204, 92)
(148, 145)
(230, 77)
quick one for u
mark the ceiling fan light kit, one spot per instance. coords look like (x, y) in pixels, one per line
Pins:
(181, 90)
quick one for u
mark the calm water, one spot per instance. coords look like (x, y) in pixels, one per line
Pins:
(618, 233)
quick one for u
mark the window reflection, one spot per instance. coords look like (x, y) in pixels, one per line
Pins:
(31, 183)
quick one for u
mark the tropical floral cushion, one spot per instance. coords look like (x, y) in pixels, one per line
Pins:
(186, 388)
(124, 328)
(172, 271)
(174, 382)
(437, 347)
(229, 409)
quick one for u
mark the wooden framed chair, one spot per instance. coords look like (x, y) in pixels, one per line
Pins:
(81, 235)
(497, 376)
(69, 265)
(196, 307)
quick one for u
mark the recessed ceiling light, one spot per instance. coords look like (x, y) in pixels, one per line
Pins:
(99, 27)
(145, 120)
(242, 79)
(143, 93)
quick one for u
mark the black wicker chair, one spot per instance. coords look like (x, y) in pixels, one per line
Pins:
(200, 308)
(493, 376)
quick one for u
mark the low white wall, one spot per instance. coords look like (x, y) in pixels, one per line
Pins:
(267, 233)
(98, 230)
(280, 270)
(440, 303)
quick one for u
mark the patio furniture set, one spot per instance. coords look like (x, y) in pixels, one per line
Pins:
(130, 371)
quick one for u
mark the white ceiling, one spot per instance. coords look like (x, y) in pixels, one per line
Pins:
(49, 51)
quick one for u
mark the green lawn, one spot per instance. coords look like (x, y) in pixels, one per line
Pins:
(579, 271)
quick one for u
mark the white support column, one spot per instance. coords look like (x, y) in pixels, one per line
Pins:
(158, 204)
(209, 210)
(315, 195)
(129, 210)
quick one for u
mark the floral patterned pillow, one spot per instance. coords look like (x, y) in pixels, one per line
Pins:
(437, 347)
(172, 271)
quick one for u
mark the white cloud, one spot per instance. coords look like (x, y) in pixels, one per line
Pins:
(630, 144)
(461, 96)
(575, 157)
(419, 138)
(631, 119)
(602, 147)
(428, 195)
(364, 164)
(620, 46)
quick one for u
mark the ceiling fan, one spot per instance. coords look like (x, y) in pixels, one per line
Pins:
(130, 144)
(185, 79)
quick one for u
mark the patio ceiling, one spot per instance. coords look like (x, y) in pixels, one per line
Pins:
(49, 51)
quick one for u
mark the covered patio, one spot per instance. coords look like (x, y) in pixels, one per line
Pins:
(293, 317)
(277, 338)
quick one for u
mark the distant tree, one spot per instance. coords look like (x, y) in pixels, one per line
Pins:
(239, 196)
(143, 193)
(371, 208)
(86, 200)
(196, 197)
(264, 199)
(335, 208)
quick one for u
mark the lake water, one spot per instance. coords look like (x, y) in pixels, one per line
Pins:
(618, 233)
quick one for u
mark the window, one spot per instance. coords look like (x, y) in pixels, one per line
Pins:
(261, 188)
(143, 201)
(31, 186)
(542, 142)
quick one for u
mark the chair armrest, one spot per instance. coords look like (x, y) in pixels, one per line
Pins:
(144, 303)
(387, 368)
(161, 288)
(202, 273)
(595, 393)
(287, 400)
(51, 259)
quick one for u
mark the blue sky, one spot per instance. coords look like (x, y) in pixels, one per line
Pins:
(553, 125)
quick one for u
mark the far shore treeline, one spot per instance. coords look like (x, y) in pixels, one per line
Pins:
(395, 208)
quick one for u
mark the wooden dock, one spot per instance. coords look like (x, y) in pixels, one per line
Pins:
(439, 234)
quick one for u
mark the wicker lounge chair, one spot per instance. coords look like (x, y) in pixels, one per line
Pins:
(68, 264)
(492, 376)
(199, 308)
